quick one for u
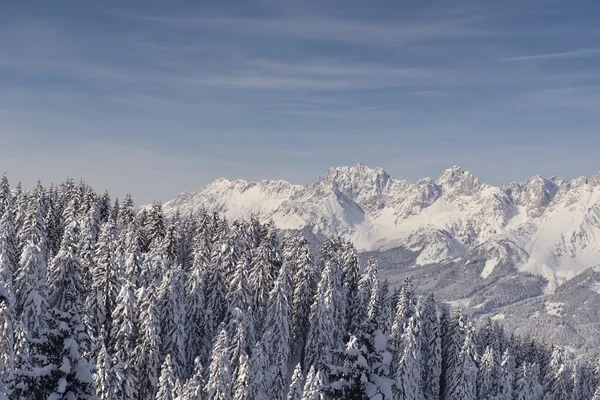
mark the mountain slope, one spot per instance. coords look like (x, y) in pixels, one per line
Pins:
(551, 225)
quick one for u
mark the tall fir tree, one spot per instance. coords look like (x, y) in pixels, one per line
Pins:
(431, 349)
(167, 381)
(296, 388)
(125, 324)
(305, 281)
(277, 343)
(321, 335)
(64, 274)
(194, 387)
(58, 369)
(409, 383)
(106, 285)
(146, 355)
(172, 316)
(32, 297)
(218, 386)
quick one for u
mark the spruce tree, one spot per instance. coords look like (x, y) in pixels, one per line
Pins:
(431, 349)
(321, 340)
(146, 355)
(258, 370)
(125, 324)
(105, 284)
(409, 383)
(241, 380)
(58, 369)
(104, 376)
(556, 380)
(197, 342)
(172, 317)
(7, 342)
(314, 385)
(277, 343)
(32, 298)
(167, 380)
(486, 386)
(261, 280)
(218, 386)
(297, 386)
(305, 281)
(64, 273)
(194, 387)
(507, 377)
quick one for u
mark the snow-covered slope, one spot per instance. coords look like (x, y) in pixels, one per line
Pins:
(548, 227)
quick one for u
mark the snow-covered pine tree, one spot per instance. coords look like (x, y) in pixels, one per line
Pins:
(277, 342)
(261, 281)
(321, 335)
(507, 377)
(556, 381)
(239, 295)
(431, 348)
(241, 379)
(452, 341)
(296, 388)
(106, 285)
(7, 340)
(133, 257)
(332, 258)
(90, 227)
(314, 385)
(166, 381)
(305, 281)
(8, 240)
(258, 370)
(218, 386)
(32, 297)
(351, 278)
(527, 386)
(34, 229)
(486, 385)
(463, 378)
(155, 228)
(64, 273)
(409, 385)
(172, 317)
(197, 342)
(240, 345)
(58, 369)
(126, 214)
(124, 335)
(146, 355)
(215, 304)
(193, 389)
(104, 376)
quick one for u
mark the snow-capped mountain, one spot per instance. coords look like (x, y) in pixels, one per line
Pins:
(547, 227)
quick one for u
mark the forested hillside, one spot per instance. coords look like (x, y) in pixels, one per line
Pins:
(98, 301)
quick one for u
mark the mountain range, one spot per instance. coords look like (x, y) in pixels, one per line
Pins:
(497, 251)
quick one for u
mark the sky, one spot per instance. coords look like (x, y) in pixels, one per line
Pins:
(155, 98)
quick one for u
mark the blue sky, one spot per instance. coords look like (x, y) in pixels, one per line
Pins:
(157, 97)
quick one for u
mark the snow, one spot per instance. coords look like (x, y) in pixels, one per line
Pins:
(489, 267)
(498, 317)
(554, 308)
(554, 224)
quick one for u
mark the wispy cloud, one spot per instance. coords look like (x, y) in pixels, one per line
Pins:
(566, 54)
(357, 31)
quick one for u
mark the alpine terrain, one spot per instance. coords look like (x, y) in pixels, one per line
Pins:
(523, 253)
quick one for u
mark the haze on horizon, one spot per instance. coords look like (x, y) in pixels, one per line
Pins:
(156, 99)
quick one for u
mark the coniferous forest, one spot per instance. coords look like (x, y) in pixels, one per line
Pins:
(99, 301)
